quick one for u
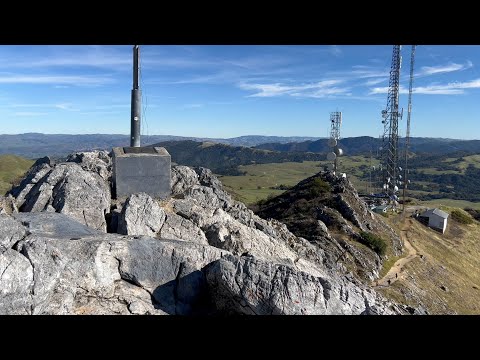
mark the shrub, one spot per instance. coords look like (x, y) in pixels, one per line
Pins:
(461, 217)
(318, 187)
(374, 242)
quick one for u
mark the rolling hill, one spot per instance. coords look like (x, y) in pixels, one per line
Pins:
(35, 145)
(224, 159)
(364, 144)
(12, 168)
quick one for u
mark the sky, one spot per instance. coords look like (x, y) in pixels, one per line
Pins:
(223, 91)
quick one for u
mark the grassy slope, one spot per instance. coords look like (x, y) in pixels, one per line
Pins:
(290, 173)
(450, 260)
(12, 167)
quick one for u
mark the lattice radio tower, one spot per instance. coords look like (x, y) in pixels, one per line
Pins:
(391, 114)
(336, 123)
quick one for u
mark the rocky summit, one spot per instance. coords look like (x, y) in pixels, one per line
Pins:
(67, 247)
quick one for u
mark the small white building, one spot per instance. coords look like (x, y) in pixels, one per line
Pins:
(437, 219)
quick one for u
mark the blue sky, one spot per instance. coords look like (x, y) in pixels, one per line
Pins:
(227, 91)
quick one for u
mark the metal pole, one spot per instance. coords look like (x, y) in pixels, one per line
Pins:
(407, 137)
(136, 101)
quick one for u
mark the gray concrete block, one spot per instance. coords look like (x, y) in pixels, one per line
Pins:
(141, 170)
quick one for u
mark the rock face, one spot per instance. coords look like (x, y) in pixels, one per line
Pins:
(11, 232)
(66, 188)
(96, 161)
(251, 286)
(327, 211)
(199, 252)
(141, 215)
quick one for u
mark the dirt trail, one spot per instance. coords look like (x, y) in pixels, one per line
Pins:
(395, 272)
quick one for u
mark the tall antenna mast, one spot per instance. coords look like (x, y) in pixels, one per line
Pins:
(336, 123)
(407, 137)
(136, 101)
(390, 133)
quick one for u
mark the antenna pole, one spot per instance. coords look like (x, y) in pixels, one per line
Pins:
(407, 137)
(136, 101)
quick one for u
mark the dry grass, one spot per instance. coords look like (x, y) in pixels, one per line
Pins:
(449, 260)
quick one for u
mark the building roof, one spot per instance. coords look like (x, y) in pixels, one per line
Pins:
(435, 211)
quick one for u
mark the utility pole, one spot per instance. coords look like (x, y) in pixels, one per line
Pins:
(136, 101)
(407, 138)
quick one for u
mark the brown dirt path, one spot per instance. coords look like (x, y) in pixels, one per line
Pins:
(395, 272)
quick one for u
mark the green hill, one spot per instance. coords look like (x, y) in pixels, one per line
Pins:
(225, 159)
(12, 168)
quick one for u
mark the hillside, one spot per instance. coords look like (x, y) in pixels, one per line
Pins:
(326, 210)
(225, 159)
(444, 276)
(36, 145)
(73, 249)
(364, 144)
(11, 169)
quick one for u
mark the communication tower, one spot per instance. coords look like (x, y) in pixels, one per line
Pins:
(335, 124)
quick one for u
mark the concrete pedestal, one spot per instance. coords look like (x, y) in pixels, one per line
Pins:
(137, 169)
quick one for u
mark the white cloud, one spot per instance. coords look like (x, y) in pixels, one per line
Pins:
(66, 106)
(29, 113)
(375, 81)
(441, 69)
(454, 88)
(317, 90)
(55, 79)
(192, 106)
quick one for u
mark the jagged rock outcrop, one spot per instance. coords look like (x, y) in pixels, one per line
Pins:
(66, 188)
(98, 161)
(199, 252)
(326, 210)
(115, 274)
(246, 285)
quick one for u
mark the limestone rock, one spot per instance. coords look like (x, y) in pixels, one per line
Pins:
(54, 225)
(69, 189)
(179, 228)
(247, 285)
(96, 161)
(11, 231)
(16, 282)
(141, 215)
(116, 275)
(182, 178)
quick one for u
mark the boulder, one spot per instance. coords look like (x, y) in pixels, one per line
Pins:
(246, 285)
(70, 190)
(141, 215)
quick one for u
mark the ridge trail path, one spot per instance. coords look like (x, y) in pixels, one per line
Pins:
(398, 266)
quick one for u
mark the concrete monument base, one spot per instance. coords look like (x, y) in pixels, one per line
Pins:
(141, 169)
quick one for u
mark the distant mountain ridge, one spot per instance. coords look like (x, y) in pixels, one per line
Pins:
(35, 145)
(364, 144)
(224, 159)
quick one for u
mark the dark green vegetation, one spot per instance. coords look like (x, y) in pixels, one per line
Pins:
(364, 144)
(473, 213)
(225, 159)
(461, 217)
(12, 168)
(374, 242)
